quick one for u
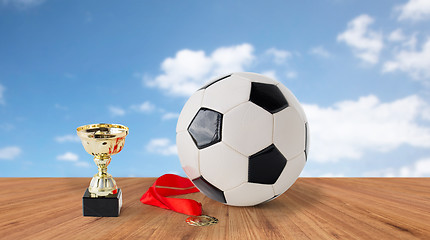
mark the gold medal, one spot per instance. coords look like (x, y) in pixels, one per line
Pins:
(203, 220)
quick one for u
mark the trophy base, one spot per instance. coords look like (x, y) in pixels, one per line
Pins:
(108, 206)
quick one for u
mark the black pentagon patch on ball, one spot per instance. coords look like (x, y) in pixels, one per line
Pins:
(209, 190)
(205, 128)
(213, 82)
(268, 96)
(266, 166)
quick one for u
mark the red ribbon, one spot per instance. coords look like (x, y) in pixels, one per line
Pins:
(170, 185)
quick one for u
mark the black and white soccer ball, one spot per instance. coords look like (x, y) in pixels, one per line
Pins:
(242, 139)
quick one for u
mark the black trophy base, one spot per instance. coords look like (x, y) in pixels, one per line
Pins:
(108, 206)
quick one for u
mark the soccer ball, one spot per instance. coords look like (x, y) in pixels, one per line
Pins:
(242, 139)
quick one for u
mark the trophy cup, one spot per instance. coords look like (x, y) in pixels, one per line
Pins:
(102, 198)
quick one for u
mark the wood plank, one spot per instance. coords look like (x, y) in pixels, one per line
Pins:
(313, 208)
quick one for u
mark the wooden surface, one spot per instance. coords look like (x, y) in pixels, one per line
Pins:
(313, 208)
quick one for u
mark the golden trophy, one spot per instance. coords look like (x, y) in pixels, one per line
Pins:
(102, 198)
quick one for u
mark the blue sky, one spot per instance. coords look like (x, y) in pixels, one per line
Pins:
(361, 70)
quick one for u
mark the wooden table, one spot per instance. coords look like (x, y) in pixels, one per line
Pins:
(313, 208)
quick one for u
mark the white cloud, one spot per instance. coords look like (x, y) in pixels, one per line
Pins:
(365, 42)
(9, 153)
(279, 56)
(396, 35)
(271, 74)
(420, 168)
(415, 63)
(189, 70)
(2, 90)
(145, 107)
(291, 74)
(68, 157)
(116, 111)
(23, 3)
(348, 129)
(411, 43)
(161, 146)
(414, 10)
(67, 138)
(320, 51)
(169, 115)
(72, 158)
(82, 164)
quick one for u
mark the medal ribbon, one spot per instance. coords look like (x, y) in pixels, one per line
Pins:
(170, 185)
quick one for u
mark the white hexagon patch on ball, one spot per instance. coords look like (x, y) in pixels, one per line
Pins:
(243, 139)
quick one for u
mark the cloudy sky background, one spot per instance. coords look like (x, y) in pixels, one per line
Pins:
(361, 70)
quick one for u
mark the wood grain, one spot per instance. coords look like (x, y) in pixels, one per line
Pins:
(313, 208)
